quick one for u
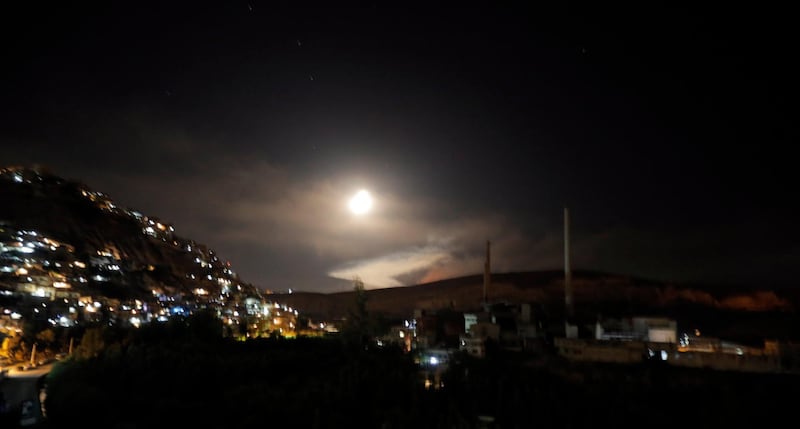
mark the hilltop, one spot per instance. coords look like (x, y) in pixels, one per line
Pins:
(742, 312)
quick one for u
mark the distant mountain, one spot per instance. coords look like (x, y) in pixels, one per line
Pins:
(60, 238)
(735, 312)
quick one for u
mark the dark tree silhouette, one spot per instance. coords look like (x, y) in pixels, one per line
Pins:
(358, 327)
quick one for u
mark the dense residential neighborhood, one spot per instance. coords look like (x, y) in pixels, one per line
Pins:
(111, 275)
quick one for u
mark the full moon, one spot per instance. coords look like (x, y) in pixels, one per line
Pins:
(361, 202)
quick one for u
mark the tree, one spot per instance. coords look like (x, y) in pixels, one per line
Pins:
(204, 326)
(358, 328)
(16, 348)
(45, 341)
(91, 344)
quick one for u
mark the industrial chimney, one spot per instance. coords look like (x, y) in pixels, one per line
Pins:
(487, 273)
(568, 298)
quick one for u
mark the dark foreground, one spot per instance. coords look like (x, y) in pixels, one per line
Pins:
(158, 379)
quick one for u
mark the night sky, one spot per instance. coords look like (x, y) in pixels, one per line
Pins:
(248, 125)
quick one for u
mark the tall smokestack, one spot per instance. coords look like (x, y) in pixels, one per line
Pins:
(567, 270)
(487, 272)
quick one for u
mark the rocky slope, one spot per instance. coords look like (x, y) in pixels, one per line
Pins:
(110, 250)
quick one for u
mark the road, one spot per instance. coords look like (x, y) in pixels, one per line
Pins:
(21, 390)
(37, 372)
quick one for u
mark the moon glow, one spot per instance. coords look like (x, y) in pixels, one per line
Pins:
(361, 203)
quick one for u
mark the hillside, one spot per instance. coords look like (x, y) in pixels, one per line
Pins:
(60, 233)
(744, 313)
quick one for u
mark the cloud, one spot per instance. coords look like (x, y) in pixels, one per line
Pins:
(451, 248)
(385, 271)
(406, 239)
(292, 222)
